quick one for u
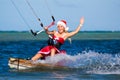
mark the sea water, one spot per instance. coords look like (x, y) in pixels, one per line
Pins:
(90, 56)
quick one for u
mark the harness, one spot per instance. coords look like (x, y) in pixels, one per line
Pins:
(54, 42)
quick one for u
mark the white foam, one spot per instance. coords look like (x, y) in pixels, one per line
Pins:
(91, 62)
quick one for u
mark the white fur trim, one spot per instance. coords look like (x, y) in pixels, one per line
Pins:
(63, 24)
(67, 28)
(43, 52)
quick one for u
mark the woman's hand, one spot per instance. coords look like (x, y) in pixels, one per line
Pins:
(46, 28)
(82, 21)
(48, 32)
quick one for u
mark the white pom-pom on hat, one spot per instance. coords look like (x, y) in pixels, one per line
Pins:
(64, 24)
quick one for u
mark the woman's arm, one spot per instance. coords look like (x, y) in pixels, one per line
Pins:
(48, 32)
(78, 28)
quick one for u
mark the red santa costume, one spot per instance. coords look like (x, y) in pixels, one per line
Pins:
(56, 42)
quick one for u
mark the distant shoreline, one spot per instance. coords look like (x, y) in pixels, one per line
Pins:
(82, 35)
(68, 31)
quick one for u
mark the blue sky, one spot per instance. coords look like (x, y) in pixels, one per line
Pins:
(99, 14)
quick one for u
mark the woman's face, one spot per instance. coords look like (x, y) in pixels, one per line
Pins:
(61, 29)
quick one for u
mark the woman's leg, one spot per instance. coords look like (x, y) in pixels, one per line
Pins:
(52, 52)
(36, 57)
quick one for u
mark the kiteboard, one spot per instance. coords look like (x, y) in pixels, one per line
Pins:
(22, 64)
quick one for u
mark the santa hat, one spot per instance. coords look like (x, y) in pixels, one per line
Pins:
(63, 23)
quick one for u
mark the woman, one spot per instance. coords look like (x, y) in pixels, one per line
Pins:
(57, 39)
